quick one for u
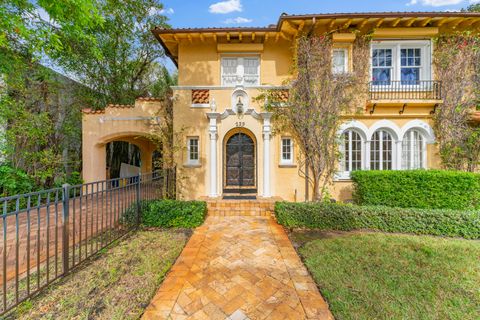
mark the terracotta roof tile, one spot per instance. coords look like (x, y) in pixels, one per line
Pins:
(148, 99)
(120, 106)
(337, 15)
(200, 96)
(283, 95)
(92, 111)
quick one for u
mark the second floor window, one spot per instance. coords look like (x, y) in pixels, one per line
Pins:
(340, 61)
(405, 62)
(240, 71)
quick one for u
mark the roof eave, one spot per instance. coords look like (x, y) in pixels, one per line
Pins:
(283, 17)
(165, 49)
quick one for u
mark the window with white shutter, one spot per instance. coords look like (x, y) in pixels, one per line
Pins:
(240, 71)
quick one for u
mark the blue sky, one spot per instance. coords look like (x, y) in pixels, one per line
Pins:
(259, 13)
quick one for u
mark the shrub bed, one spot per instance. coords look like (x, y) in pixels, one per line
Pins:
(173, 213)
(336, 216)
(427, 189)
(167, 214)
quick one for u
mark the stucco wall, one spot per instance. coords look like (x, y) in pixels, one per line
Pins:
(116, 123)
(199, 65)
(199, 68)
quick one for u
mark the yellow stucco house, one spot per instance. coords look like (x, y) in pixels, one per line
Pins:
(229, 148)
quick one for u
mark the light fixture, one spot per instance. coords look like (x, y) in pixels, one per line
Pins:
(213, 105)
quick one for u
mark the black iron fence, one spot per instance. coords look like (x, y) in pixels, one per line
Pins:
(405, 90)
(47, 233)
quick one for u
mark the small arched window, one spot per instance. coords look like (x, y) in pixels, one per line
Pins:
(352, 151)
(413, 145)
(381, 151)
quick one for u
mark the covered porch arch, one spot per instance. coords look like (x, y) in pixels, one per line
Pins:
(131, 124)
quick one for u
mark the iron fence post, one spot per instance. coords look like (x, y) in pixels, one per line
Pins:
(65, 231)
(138, 190)
(165, 183)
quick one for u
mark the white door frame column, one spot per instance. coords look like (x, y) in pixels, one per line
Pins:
(212, 130)
(266, 154)
(267, 131)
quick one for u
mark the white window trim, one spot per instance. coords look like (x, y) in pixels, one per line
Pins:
(423, 148)
(189, 160)
(346, 69)
(395, 142)
(396, 46)
(240, 70)
(398, 134)
(286, 161)
(345, 175)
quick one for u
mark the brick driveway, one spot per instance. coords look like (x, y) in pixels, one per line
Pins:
(238, 268)
(43, 241)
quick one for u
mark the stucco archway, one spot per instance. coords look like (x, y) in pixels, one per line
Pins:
(97, 155)
(128, 123)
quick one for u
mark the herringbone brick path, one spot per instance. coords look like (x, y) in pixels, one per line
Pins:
(238, 267)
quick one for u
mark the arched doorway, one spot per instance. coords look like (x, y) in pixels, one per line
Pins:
(240, 162)
(123, 159)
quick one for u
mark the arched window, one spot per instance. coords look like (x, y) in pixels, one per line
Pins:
(352, 151)
(413, 150)
(381, 151)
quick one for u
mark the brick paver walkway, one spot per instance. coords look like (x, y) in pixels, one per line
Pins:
(238, 268)
(88, 218)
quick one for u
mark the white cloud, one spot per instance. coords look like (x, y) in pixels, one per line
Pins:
(153, 11)
(168, 11)
(237, 20)
(226, 6)
(436, 3)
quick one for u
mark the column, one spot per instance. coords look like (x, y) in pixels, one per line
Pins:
(213, 155)
(266, 155)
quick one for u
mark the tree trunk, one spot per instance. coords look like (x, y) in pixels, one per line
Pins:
(317, 195)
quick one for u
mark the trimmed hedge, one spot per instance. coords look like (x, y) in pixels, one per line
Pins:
(174, 213)
(428, 189)
(167, 214)
(346, 217)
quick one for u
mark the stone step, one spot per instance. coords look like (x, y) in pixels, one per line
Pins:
(239, 196)
(258, 207)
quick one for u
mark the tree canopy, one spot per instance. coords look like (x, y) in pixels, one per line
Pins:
(106, 45)
(36, 28)
(127, 59)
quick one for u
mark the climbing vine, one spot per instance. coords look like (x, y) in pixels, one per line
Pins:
(317, 100)
(457, 64)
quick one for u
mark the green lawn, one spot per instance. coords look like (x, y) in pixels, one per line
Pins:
(119, 284)
(390, 276)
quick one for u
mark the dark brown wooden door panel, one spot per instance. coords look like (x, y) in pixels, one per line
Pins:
(240, 161)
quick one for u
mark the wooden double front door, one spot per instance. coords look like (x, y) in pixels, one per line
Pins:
(240, 161)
